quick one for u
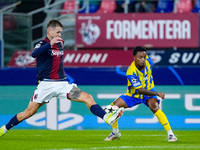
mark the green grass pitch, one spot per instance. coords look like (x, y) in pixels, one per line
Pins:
(93, 139)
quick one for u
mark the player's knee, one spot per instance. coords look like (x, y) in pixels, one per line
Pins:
(154, 108)
(153, 105)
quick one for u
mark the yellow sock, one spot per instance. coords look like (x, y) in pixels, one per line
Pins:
(163, 119)
(115, 125)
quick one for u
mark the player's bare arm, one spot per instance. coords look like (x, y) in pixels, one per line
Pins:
(151, 93)
(161, 94)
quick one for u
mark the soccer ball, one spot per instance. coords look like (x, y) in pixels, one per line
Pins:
(111, 108)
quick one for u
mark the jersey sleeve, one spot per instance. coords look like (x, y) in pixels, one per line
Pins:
(40, 48)
(133, 79)
(149, 60)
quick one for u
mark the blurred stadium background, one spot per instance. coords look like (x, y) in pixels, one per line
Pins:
(99, 37)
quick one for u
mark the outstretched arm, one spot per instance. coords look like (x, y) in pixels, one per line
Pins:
(151, 93)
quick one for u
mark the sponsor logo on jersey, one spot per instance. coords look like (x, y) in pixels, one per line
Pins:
(56, 53)
(37, 46)
(145, 78)
(136, 84)
(133, 80)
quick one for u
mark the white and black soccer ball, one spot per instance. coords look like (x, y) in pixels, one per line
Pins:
(111, 108)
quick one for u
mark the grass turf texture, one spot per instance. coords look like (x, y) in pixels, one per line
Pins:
(93, 139)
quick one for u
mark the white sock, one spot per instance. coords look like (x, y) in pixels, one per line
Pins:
(116, 131)
(4, 129)
(170, 132)
(105, 117)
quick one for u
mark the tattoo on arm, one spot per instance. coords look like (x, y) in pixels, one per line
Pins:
(74, 93)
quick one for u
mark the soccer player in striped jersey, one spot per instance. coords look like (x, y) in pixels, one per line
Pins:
(53, 81)
(141, 89)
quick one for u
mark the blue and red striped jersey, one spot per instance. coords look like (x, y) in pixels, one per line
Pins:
(49, 60)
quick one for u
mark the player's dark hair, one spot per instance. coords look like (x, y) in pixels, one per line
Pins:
(138, 49)
(54, 23)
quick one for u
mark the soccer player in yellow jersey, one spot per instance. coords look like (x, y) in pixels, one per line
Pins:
(141, 89)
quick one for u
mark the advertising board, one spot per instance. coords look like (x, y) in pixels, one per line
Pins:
(113, 58)
(181, 106)
(165, 30)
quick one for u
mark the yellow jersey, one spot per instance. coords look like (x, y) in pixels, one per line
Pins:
(139, 79)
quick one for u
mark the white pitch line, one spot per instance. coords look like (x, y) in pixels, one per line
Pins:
(145, 147)
(129, 147)
(138, 135)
